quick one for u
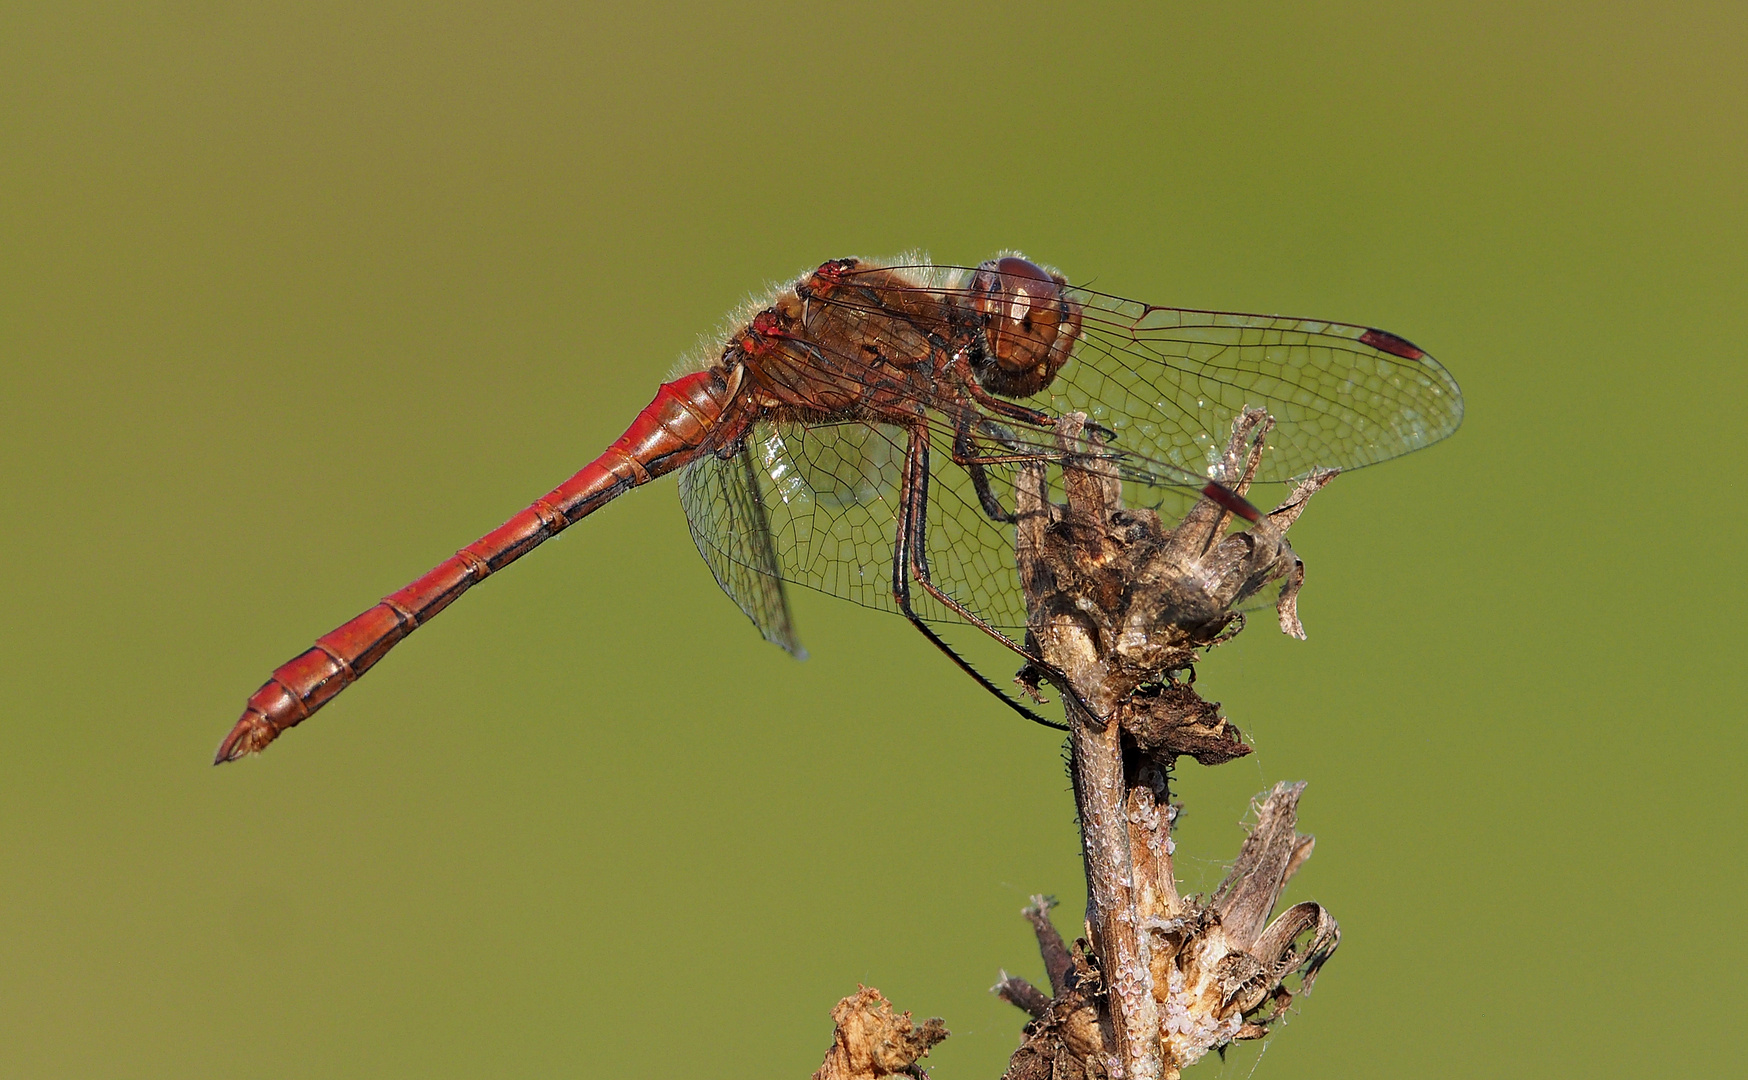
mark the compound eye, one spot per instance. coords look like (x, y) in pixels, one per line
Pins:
(1023, 309)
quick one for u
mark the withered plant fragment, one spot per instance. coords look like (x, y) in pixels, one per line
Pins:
(1116, 606)
(871, 1042)
(1170, 720)
(1218, 968)
(1115, 600)
(1069, 1034)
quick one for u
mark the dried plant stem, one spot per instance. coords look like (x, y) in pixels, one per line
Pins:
(1117, 605)
(1101, 797)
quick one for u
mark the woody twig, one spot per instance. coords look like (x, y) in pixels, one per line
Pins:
(1118, 605)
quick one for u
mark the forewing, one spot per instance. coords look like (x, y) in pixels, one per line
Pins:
(1170, 381)
(725, 510)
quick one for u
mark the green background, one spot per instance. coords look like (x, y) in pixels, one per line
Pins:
(296, 299)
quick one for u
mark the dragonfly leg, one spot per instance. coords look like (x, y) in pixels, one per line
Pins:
(909, 544)
(965, 454)
(1020, 453)
(1000, 406)
(991, 505)
(976, 464)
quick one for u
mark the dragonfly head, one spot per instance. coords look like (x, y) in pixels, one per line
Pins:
(1027, 325)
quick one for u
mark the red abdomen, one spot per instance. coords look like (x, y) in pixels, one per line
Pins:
(684, 420)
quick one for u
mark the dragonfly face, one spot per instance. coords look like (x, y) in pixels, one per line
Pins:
(1027, 324)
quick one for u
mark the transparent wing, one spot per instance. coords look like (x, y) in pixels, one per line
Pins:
(1169, 382)
(828, 495)
(817, 503)
(725, 510)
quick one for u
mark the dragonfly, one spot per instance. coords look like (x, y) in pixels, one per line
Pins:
(859, 431)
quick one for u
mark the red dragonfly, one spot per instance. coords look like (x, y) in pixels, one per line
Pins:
(859, 432)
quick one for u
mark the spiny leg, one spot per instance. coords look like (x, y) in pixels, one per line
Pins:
(965, 454)
(1000, 406)
(916, 491)
(975, 462)
(912, 517)
(915, 499)
(991, 505)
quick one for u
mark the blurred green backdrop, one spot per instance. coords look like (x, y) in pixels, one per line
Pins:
(298, 298)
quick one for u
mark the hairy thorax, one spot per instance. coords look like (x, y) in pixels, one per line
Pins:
(854, 340)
